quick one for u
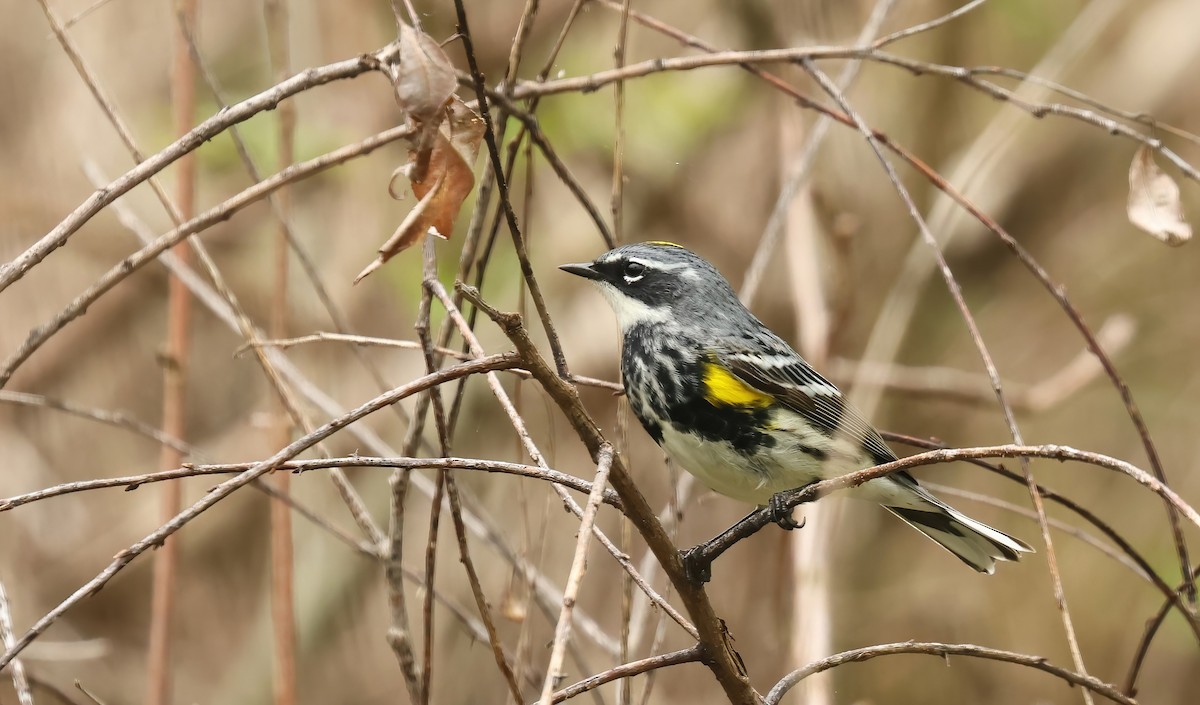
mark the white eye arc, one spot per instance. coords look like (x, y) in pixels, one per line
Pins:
(634, 271)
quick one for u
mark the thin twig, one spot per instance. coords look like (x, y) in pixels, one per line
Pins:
(1142, 118)
(399, 633)
(205, 131)
(691, 654)
(1152, 626)
(926, 26)
(794, 498)
(624, 694)
(595, 81)
(989, 365)
(133, 482)
(175, 368)
(946, 650)
(435, 506)
(722, 659)
(88, 694)
(77, 17)
(489, 136)
(485, 612)
(19, 679)
(38, 336)
(227, 487)
(118, 419)
(562, 631)
(283, 611)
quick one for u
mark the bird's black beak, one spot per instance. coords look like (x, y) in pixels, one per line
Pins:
(581, 269)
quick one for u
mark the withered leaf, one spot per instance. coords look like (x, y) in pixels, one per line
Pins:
(451, 173)
(414, 225)
(1154, 204)
(443, 186)
(423, 77)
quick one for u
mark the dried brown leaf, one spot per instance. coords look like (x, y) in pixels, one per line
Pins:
(1154, 204)
(423, 78)
(451, 172)
(414, 225)
(442, 187)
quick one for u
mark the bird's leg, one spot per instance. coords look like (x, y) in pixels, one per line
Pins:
(698, 560)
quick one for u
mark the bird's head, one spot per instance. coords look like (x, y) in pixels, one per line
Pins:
(654, 282)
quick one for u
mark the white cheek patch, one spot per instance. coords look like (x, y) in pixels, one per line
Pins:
(630, 311)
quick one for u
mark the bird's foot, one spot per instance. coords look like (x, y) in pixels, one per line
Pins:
(696, 566)
(781, 514)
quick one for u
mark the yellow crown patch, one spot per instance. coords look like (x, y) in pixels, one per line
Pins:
(663, 243)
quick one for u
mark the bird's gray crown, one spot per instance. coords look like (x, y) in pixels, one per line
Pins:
(662, 281)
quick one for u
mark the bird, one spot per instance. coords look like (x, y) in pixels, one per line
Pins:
(733, 404)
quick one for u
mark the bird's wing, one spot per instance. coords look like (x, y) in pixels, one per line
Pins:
(781, 373)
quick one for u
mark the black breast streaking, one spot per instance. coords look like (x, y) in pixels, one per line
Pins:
(664, 384)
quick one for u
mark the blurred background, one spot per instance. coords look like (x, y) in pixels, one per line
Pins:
(705, 154)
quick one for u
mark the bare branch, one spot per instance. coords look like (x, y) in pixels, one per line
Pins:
(132, 482)
(481, 602)
(795, 498)
(723, 659)
(562, 632)
(926, 26)
(628, 670)
(38, 336)
(989, 365)
(226, 488)
(205, 131)
(19, 679)
(945, 650)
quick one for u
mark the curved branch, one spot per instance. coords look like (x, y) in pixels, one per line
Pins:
(223, 490)
(132, 482)
(628, 670)
(39, 335)
(205, 131)
(1173, 596)
(945, 650)
(1040, 274)
(794, 498)
(720, 655)
(1152, 626)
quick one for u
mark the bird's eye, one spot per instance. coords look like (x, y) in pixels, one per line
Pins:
(634, 271)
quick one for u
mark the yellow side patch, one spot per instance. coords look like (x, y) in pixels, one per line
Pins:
(721, 388)
(663, 243)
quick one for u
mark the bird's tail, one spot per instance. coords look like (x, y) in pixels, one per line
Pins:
(973, 542)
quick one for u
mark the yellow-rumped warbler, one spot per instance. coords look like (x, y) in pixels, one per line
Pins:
(734, 405)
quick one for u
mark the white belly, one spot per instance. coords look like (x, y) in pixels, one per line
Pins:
(774, 470)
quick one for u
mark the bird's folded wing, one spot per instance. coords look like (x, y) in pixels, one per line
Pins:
(797, 386)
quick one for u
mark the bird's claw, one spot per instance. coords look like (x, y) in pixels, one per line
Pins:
(696, 567)
(781, 514)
